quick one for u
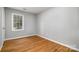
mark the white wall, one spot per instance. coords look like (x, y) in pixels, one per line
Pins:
(60, 24)
(30, 24)
(1, 26)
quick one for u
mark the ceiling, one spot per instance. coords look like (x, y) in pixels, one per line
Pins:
(34, 10)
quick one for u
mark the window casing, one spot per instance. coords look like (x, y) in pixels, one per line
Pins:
(17, 22)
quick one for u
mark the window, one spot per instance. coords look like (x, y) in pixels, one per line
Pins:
(17, 22)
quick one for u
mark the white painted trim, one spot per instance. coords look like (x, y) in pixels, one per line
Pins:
(60, 43)
(20, 37)
(46, 39)
(3, 23)
(22, 22)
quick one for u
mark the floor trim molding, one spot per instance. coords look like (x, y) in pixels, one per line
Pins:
(59, 43)
(47, 39)
(20, 37)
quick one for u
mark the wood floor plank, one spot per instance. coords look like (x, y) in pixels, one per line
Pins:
(33, 44)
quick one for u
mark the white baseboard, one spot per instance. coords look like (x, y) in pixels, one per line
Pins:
(60, 43)
(47, 39)
(20, 37)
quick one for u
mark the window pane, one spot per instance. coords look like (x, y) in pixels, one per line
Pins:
(17, 22)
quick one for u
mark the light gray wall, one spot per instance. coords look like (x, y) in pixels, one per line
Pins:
(30, 24)
(60, 24)
(1, 40)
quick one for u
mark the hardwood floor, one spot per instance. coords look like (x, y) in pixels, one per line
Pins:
(33, 44)
(0, 49)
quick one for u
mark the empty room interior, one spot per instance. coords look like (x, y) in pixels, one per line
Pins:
(39, 29)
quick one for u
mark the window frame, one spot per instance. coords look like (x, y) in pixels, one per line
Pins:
(13, 22)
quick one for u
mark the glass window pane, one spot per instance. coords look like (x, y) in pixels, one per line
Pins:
(17, 22)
